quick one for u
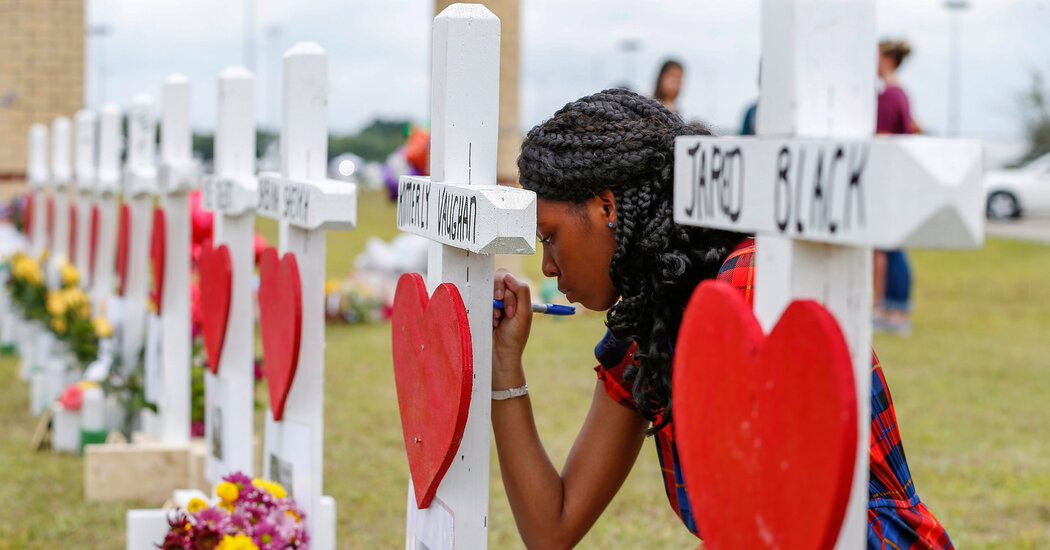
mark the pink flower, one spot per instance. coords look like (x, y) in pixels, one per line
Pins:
(71, 398)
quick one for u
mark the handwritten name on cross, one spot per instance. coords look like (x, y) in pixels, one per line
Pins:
(467, 218)
(820, 193)
(232, 194)
(306, 204)
(86, 129)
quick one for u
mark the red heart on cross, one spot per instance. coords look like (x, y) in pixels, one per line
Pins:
(156, 254)
(766, 426)
(280, 321)
(50, 222)
(72, 231)
(123, 239)
(216, 269)
(94, 241)
(27, 222)
(434, 372)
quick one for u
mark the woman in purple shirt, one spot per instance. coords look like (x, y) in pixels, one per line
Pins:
(892, 276)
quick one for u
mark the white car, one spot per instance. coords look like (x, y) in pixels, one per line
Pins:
(1023, 191)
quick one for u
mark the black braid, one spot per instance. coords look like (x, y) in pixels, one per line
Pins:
(624, 142)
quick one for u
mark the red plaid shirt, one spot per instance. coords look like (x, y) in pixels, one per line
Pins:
(897, 519)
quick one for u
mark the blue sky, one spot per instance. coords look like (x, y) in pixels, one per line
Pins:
(378, 54)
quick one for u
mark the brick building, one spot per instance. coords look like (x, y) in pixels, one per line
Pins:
(41, 72)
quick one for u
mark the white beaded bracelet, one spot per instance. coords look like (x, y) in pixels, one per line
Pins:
(500, 395)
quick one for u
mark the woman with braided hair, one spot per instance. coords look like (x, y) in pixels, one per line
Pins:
(602, 170)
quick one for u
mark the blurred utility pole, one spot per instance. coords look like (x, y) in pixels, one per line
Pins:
(629, 47)
(251, 15)
(100, 31)
(955, 8)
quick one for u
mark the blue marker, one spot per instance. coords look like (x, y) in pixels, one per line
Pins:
(549, 309)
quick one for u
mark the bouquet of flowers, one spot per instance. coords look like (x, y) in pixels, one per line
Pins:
(250, 514)
(27, 286)
(71, 319)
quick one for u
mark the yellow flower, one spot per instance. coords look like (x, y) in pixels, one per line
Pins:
(35, 274)
(75, 298)
(59, 324)
(84, 311)
(271, 487)
(330, 285)
(102, 327)
(196, 505)
(85, 384)
(56, 303)
(240, 541)
(227, 492)
(70, 275)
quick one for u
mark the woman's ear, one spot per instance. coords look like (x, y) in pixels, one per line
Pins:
(607, 202)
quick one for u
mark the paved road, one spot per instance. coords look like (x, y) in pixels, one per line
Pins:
(1031, 229)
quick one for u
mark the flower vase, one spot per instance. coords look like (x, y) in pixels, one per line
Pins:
(27, 337)
(42, 386)
(93, 413)
(9, 323)
(65, 432)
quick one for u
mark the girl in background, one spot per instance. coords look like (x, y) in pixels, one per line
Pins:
(892, 276)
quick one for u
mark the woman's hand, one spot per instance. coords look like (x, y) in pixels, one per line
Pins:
(510, 330)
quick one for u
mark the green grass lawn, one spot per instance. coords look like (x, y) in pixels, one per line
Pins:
(970, 387)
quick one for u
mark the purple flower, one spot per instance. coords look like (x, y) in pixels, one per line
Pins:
(239, 479)
(266, 537)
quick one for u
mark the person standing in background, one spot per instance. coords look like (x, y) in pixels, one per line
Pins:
(892, 276)
(669, 83)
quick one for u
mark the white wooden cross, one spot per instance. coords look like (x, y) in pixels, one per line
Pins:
(232, 194)
(820, 192)
(307, 205)
(107, 184)
(468, 218)
(61, 177)
(37, 176)
(178, 175)
(140, 183)
(86, 128)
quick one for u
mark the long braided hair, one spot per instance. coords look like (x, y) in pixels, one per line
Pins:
(621, 141)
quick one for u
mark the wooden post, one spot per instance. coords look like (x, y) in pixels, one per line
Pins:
(232, 194)
(306, 204)
(464, 103)
(820, 193)
(86, 130)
